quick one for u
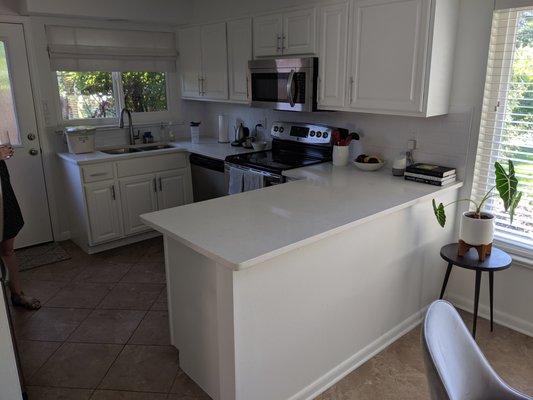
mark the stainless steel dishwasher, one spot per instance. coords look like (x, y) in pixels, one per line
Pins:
(208, 180)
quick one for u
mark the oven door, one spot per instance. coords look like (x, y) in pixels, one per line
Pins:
(283, 87)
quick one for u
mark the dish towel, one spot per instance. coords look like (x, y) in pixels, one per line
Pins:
(236, 177)
(252, 181)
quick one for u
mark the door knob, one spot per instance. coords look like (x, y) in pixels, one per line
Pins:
(34, 152)
(31, 136)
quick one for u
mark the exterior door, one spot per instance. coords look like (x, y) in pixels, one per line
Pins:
(139, 196)
(104, 211)
(173, 189)
(17, 117)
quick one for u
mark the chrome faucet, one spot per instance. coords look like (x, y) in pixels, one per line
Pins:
(133, 136)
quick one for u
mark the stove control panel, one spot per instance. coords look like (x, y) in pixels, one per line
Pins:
(301, 132)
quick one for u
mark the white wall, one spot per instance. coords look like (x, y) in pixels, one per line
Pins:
(10, 7)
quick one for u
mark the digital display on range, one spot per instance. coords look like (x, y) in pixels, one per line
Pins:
(299, 131)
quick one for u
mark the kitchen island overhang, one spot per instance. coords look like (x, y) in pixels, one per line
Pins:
(290, 324)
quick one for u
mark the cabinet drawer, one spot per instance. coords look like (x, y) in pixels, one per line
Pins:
(147, 165)
(97, 172)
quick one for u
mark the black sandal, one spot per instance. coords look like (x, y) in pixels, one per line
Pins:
(21, 300)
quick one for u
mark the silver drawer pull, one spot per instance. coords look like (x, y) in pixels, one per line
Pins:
(98, 174)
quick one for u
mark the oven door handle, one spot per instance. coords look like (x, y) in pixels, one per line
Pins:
(290, 84)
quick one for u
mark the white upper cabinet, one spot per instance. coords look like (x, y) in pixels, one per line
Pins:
(290, 33)
(332, 49)
(190, 60)
(239, 53)
(203, 62)
(401, 56)
(299, 33)
(268, 32)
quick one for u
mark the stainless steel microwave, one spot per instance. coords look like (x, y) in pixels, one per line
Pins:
(288, 84)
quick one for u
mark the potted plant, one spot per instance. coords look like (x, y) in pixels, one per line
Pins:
(341, 146)
(477, 226)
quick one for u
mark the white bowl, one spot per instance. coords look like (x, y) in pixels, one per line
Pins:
(368, 166)
(259, 145)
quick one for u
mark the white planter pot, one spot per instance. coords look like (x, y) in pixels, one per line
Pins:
(341, 155)
(475, 231)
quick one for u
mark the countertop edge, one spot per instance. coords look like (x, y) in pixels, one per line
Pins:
(117, 157)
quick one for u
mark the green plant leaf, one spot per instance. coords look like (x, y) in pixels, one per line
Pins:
(506, 183)
(514, 202)
(439, 213)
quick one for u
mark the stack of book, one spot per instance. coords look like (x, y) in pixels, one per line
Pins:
(430, 174)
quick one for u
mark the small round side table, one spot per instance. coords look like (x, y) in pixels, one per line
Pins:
(497, 261)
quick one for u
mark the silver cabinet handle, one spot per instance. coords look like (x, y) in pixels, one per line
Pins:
(98, 174)
(199, 86)
(351, 89)
(278, 44)
(290, 82)
(160, 184)
(113, 194)
(247, 89)
(283, 42)
(155, 185)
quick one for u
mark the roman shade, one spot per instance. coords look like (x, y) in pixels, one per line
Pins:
(94, 49)
(506, 129)
(506, 4)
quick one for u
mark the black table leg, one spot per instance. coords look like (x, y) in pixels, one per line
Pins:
(446, 277)
(491, 292)
(476, 302)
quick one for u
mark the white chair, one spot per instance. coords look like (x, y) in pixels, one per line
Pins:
(455, 366)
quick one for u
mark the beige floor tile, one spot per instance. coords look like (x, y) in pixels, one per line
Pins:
(48, 393)
(64, 271)
(33, 354)
(77, 365)
(80, 295)
(53, 324)
(186, 388)
(143, 368)
(146, 273)
(41, 290)
(108, 326)
(122, 395)
(132, 296)
(103, 272)
(154, 329)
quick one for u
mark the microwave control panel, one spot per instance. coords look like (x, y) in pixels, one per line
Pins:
(300, 132)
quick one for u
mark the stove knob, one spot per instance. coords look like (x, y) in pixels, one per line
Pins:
(276, 128)
(325, 135)
(312, 133)
(318, 134)
(281, 129)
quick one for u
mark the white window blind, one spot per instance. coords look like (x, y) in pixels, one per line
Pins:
(94, 49)
(506, 130)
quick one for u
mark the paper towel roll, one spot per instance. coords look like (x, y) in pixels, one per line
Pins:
(223, 134)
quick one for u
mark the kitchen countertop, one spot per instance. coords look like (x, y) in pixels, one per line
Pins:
(208, 147)
(248, 228)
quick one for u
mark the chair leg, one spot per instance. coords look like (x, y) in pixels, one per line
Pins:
(446, 277)
(491, 293)
(476, 302)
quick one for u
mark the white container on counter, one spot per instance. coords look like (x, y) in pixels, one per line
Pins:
(341, 155)
(195, 132)
(223, 132)
(80, 139)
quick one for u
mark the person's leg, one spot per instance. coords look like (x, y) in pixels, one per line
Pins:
(7, 253)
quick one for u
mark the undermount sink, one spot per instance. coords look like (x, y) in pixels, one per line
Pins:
(157, 147)
(122, 150)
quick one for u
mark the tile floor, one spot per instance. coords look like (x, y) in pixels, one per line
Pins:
(102, 334)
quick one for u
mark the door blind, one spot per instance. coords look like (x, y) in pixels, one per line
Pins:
(506, 130)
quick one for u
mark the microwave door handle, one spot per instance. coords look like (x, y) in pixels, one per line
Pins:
(290, 83)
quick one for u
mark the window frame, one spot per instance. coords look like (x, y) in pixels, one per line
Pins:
(118, 92)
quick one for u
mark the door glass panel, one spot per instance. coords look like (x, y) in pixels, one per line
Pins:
(8, 116)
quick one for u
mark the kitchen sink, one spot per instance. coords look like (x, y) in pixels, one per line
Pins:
(157, 147)
(122, 150)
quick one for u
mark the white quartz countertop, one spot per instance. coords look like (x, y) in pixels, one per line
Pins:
(208, 147)
(245, 229)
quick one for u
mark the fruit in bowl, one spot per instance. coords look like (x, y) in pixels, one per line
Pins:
(368, 163)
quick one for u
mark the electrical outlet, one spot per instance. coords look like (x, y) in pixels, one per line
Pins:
(411, 144)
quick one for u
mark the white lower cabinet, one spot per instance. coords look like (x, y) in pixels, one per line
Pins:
(173, 189)
(139, 196)
(103, 209)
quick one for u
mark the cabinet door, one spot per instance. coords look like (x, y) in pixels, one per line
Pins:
(174, 188)
(214, 61)
(267, 35)
(299, 32)
(239, 53)
(104, 211)
(139, 196)
(388, 57)
(190, 57)
(332, 49)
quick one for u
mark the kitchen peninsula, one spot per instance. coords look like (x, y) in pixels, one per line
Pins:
(278, 293)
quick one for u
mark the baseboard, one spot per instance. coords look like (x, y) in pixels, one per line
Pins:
(502, 318)
(359, 358)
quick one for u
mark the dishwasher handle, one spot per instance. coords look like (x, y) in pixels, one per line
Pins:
(207, 162)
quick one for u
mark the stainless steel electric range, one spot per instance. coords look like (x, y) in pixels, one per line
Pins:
(294, 145)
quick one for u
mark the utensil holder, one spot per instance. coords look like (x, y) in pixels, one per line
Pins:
(341, 155)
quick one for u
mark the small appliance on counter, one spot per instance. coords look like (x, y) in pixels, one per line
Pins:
(241, 135)
(195, 132)
(80, 139)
